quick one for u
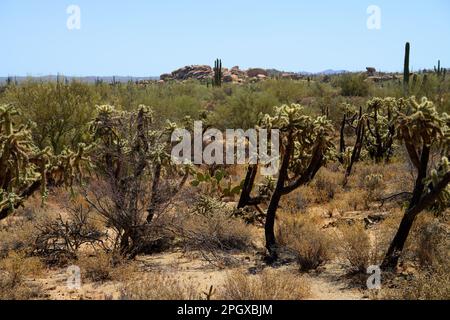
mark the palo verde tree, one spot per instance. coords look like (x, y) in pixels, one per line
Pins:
(137, 178)
(423, 130)
(26, 169)
(305, 146)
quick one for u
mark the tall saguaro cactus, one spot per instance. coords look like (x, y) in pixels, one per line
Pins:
(438, 69)
(217, 80)
(406, 70)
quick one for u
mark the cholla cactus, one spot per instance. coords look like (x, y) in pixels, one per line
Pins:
(422, 128)
(381, 120)
(133, 160)
(349, 156)
(306, 145)
(24, 169)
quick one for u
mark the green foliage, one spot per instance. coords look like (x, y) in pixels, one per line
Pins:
(242, 108)
(353, 85)
(219, 184)
(307, 145)
(25, 168)
(381, 119)
(59, 111)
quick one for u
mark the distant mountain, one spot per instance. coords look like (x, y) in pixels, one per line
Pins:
(331, 72)
(89, 79)
(327, 72)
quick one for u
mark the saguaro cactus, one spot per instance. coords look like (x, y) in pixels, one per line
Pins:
(406, 70)
(306, 147)
(438, 69)
(217, 80)
(422, 129)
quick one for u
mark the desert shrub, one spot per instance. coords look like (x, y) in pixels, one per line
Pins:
(356, 248)
(211, 226)
(428, 285)
(137, 179)
(242, 109)
(17, 264)
(351, 200)
(326, 184)
(353, 85)
(430, 242)
(311, 245)
(373, 185)
(58, 239)
(9, 290)
(104, 266)
(158, 286)
(19, 237)
(269, 285)
(13, 270)
(60, 111)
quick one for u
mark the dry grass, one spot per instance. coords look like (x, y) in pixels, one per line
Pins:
(327, 184)
(158, 286)
(269, 285)
(430, 242)
(13, 272)
(428, 285)
(214, 227)
(19, 236)
(356, 248)
(105, 267)
(311, 245)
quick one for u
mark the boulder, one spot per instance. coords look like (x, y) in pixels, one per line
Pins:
(255, 72)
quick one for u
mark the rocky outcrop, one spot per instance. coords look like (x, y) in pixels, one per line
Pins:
(198, 72)
(233, 75)
(256, 72)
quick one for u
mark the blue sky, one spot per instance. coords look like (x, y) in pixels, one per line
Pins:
(143, 38)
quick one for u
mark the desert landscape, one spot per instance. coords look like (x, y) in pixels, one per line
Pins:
(96, 204)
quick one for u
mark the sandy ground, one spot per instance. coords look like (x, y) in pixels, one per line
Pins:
(328, 284)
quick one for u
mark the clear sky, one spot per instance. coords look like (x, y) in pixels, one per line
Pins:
(147, 38)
